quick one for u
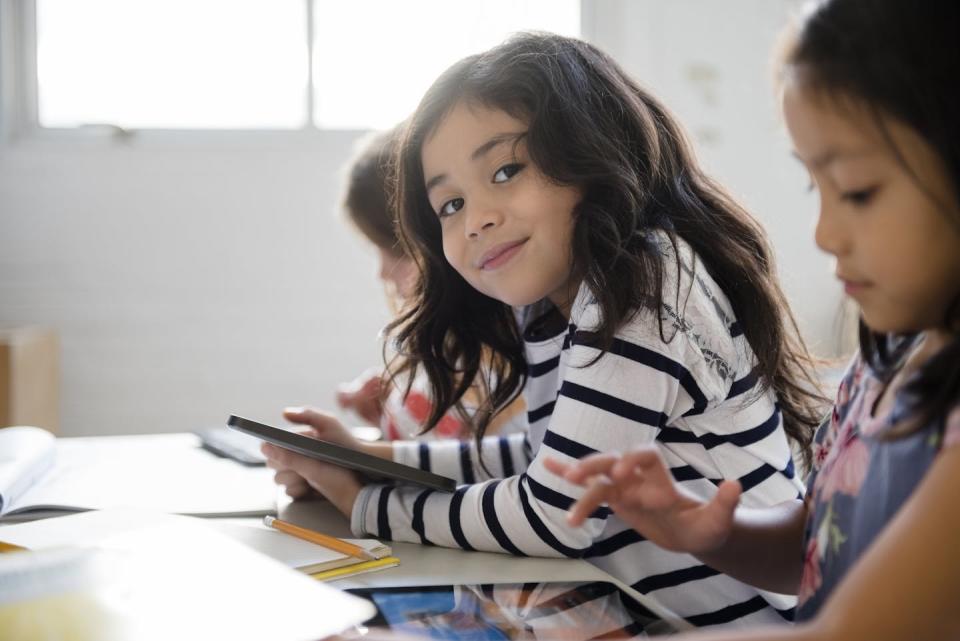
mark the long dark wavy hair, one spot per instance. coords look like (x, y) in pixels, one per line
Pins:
(901, 60)
(592, 127)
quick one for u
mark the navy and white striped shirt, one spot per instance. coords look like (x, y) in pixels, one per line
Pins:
(693, 394)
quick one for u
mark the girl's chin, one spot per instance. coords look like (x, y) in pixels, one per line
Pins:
(883, 324)
(513, 299)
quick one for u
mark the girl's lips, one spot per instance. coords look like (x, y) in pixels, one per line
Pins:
(500, 254)
(852, 287)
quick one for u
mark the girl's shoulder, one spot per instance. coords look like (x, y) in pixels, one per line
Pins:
(693, 324)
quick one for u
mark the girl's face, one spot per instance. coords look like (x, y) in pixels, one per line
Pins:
(506, 227)
(891, 223)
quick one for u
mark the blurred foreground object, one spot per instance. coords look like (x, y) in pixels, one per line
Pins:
(149, 576)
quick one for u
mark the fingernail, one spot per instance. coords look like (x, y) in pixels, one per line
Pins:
(293, 410)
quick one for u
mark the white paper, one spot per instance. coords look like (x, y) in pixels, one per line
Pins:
(164, 472)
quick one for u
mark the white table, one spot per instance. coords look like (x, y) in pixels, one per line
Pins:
(430, 565)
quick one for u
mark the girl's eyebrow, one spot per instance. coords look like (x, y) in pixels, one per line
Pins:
(496, 141)
(479, 152)
(833, 155)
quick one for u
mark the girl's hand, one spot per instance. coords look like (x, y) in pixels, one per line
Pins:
(323, 426)
(301, 475)
(364, 396)
(639, 488)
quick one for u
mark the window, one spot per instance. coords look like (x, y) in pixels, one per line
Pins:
(257, 64)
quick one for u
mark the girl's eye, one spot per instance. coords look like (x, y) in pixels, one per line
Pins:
(450, 207)
(507, 172)
(859, 197)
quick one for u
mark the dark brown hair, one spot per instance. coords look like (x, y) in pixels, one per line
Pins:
(592, 127)
(366, 198)
(898, 60)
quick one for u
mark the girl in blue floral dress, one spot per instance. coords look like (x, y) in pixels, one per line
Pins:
(870, 99)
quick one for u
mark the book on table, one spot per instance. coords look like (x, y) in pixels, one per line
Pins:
(42, 476)
(129, 574)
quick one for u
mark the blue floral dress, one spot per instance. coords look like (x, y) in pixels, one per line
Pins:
(860, 480)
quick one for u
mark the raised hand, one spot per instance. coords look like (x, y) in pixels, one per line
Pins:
(364, 396)
(639, 488)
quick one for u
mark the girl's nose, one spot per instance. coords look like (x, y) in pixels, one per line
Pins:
(830, 234)
(482, 219)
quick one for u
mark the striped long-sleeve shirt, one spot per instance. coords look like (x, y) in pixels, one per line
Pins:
(693, 394)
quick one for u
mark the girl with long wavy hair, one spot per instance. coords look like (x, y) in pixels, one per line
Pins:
(571, 250)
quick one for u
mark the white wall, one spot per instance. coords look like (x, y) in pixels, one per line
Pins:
(188, 282)
(712, 63)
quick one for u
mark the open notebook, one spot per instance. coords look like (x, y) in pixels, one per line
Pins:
(310, 558)
(127, 574)
(43, 476)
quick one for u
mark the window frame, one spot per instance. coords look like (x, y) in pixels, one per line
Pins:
(19, 113)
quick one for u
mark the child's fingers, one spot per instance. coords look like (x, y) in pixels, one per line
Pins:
(307, 416)
(727, 498)
(288, 477)
(643, 458)
(311, 470)
(372, 387)
(590, 466)
(369, 410)
(598, 491)
(712, 521)
(319, 421)
(344, 398)
(294, 484)
(644, 461)
(273, 454)
(555, 466)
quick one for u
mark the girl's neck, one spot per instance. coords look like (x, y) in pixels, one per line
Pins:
(563, 299)
(931, 342)
(934, 340)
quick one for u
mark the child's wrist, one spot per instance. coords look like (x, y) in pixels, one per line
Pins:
(346, 497)
(381, 449)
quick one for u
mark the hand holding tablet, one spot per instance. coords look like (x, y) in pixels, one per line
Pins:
(373, 466)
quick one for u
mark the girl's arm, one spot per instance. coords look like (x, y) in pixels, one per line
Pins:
(525, 513)
(503, 456)
(759, 546)
(459, 460)
(765, 547)
(904, 587)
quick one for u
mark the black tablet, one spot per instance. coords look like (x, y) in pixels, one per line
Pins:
(373, 466)
(514, 611)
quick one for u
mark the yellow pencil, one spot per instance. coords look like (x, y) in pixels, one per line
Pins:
(357, 568)
(10, 547)
(331, 542)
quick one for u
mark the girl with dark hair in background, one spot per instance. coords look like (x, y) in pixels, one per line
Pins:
(870, 99)
(400, 411)
(567, 238)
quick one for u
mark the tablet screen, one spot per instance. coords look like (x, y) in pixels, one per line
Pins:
(502, 612)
